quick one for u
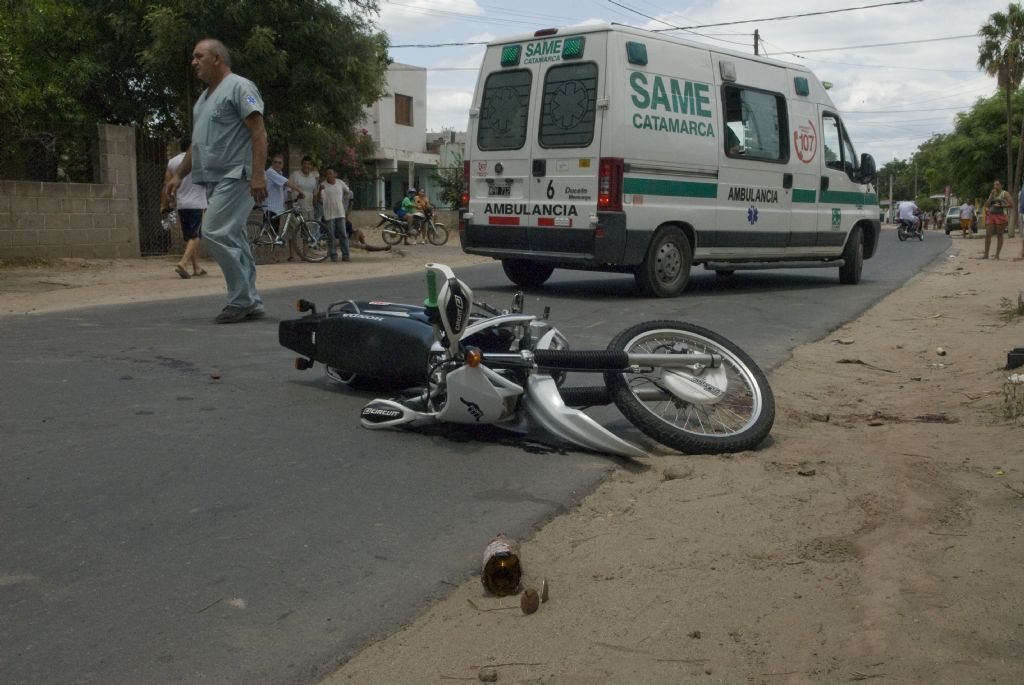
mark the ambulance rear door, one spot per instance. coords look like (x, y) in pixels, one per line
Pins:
(565, 141)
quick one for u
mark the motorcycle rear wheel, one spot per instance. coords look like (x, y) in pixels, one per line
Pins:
(392, 235)
(738, 420)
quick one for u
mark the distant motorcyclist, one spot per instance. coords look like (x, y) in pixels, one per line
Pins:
(406, 211)
(910, 215)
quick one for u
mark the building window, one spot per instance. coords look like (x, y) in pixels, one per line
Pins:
(403, 110)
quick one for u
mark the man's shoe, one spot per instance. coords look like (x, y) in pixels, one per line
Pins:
(231, 314)
(346, 258)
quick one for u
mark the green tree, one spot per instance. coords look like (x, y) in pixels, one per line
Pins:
(1001, 54)
(316, 62)
(450, 179)
(316, 65)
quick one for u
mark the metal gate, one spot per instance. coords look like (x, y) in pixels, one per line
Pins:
(150, 165)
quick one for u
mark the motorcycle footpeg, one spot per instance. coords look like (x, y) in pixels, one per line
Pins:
(388, 414)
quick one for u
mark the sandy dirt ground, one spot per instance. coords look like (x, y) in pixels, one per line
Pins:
(877, 536)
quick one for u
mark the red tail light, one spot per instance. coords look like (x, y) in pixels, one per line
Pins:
(465, 184)
(609, 184)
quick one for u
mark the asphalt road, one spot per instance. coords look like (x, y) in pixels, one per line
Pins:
(177, 504)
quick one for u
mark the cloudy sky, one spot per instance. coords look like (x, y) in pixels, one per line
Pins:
(893, 97)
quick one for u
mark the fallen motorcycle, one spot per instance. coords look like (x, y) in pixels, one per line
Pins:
(681, 385)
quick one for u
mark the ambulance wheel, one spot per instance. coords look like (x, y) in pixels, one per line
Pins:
(853, 256)
(526, 274)
(665, 270)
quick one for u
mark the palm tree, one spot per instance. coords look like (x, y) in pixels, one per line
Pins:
(1001, 54)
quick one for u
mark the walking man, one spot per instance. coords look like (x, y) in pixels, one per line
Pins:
(966, 218)
(999, 201)
(227, 157)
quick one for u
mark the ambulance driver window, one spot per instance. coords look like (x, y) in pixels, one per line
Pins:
(753, 120)
(503, 111)
(569, 106)
(839, 153)
(830, 138)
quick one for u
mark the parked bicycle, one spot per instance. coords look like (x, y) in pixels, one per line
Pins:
(275, 230)
(394, 230)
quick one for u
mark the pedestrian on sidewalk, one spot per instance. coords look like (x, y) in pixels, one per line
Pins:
(335, 196)
(1020, 217)
(998, 204)
(190, 203)
(966, 217)
(276, 184)
(226, 157)
(307, 179)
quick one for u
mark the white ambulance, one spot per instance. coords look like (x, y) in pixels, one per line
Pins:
(609, 148)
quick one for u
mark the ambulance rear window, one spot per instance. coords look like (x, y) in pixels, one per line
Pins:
(569, 106)
(503, 110)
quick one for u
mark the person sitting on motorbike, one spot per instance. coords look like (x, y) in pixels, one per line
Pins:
(423, 205)
(407, 210)
(422, 201)
(909, 212)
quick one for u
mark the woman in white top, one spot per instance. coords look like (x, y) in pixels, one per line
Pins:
(190, 203)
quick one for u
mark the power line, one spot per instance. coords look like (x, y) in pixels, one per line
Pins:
(900, 111)
(779, 18)
(879, 45)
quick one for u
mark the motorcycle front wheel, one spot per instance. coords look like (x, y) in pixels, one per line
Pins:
(437, 234)
(739, 408)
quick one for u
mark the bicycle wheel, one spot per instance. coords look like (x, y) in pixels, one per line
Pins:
(308, 240)
(729, 408)
(437, 234)
(261, 241)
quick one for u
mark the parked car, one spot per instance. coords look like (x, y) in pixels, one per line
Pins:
(953, 221)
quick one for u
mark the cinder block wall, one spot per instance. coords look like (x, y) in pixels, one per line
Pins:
(87, 220)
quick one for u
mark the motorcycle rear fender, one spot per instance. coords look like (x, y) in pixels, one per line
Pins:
(393, 350)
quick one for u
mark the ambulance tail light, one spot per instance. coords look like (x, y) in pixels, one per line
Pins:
(465, 184)
(609, 184)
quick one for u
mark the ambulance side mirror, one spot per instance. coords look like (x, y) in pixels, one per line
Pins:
(867, 171)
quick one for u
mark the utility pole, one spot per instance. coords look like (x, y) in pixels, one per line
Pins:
(757, 39)
(891, 215)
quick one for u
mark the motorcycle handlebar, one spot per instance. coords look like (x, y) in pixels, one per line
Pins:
(581, 360)
(431, 300)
